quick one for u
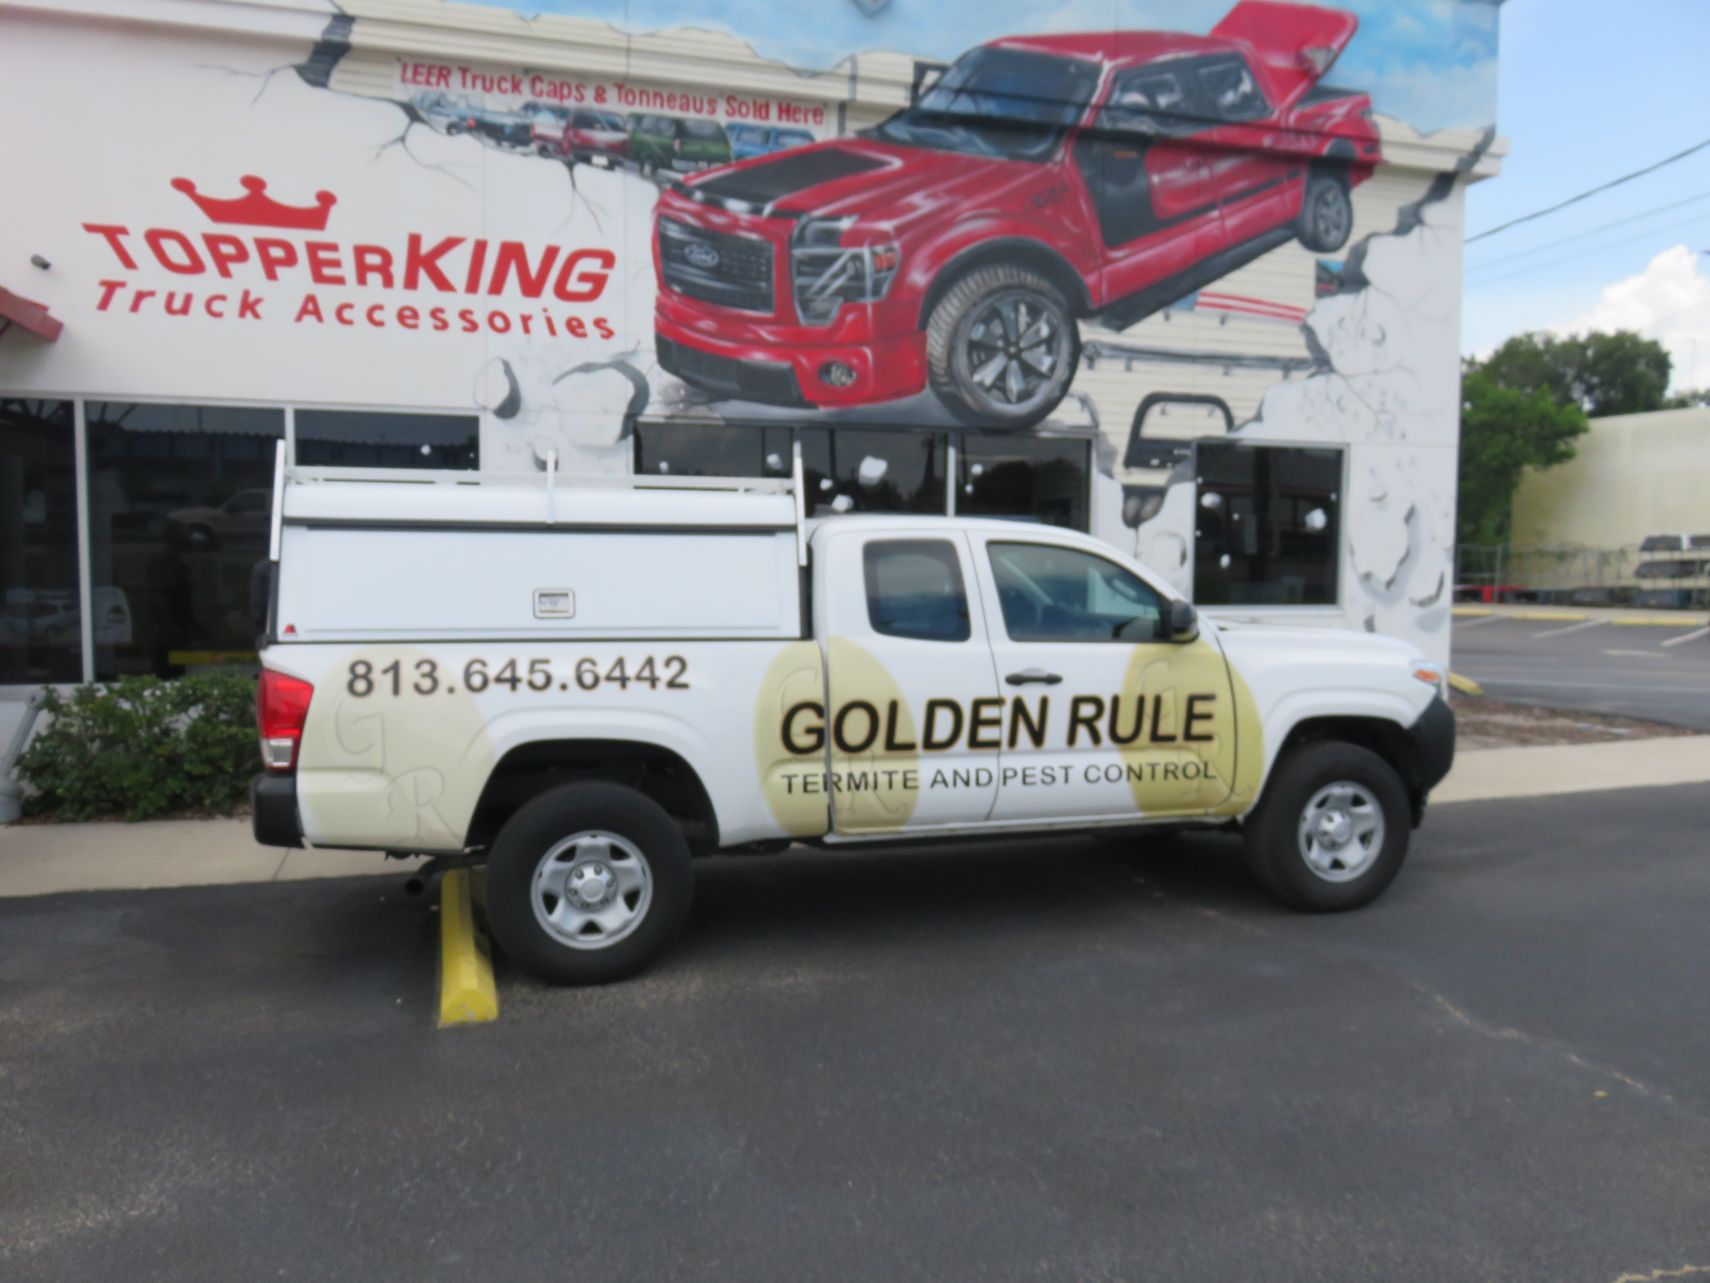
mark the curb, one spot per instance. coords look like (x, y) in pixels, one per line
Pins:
(1647, 621)
(467, 995)
(1465, 685)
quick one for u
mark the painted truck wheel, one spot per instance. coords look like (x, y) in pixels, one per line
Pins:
(1001, 347)
(1332, 829)
(1326, 212)
(588, 883)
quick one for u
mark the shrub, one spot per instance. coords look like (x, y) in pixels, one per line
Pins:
(143, 747)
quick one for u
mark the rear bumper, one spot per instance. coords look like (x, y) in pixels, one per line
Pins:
(273, 810)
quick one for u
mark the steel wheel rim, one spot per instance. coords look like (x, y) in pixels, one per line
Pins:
(1329, 215)
(1014, 348)
(1341, 831)
(591, 890)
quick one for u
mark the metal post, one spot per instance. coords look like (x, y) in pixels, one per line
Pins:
(11, 796)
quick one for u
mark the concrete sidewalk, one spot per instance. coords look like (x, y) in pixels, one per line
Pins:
(1629, 616)
(42, 859)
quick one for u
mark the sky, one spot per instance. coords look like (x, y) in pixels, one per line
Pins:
(1590, 90)
(1429, 62)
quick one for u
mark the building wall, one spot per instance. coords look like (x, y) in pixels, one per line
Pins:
(1633, 475)
(171, 105)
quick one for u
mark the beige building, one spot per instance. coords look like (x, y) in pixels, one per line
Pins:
(1635, 475)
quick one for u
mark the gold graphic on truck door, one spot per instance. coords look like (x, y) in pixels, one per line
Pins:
(789, 744)
(1175, 725)
(875, 746)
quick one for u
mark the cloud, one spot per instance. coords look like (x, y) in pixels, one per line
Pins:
(1669, 301)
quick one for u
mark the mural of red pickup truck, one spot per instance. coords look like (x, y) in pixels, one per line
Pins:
(1040, 180)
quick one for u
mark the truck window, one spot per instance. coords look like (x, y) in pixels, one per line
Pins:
(1052, 594)
(914, 590)
(1230, 92)
(1149, 102)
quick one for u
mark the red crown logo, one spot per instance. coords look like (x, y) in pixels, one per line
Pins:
(258, 209)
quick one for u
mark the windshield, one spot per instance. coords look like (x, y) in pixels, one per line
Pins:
(997, 102)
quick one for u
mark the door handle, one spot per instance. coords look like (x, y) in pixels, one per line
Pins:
(1029, 675)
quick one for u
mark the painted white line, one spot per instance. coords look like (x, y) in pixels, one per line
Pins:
(1686, 637)
(1463, 623)
(1636, 654)
(1495, 686)
(1572, 628)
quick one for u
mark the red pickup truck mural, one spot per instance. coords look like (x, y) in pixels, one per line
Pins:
(1039, 182)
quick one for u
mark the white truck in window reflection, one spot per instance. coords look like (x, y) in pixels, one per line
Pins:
(583, 688)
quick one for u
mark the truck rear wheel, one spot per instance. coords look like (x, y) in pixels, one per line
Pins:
(1332, 829)
(588, 883)
(1326, 211)
(1001, 347)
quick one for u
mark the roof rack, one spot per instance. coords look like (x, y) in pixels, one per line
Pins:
(287, 473)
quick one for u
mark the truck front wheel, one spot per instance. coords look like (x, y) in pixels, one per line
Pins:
(1332, 828)
(1001, 347)
(588, 883)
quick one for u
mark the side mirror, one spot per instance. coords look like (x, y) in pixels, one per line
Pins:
(1181, 622)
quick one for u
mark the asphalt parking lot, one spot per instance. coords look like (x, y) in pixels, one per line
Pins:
(1041, 1060)
(1659, 673)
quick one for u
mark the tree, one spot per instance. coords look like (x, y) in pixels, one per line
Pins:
(1687, 399)
(1616, 373)
(1503, 431)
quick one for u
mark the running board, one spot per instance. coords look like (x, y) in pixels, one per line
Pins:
(1138, 306)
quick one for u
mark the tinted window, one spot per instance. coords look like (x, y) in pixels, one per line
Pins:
(794, 138)
(1149, 102)
(585, 120)
(998, 102)
(1230, 92)
(711, 450)
(1266, 525)
(1051, 594)
(703, 129)
(1661, 543)
(1028, 478)
(861, 470)
(40, 617)
(170, 563)
(371, 439)
(914, 589)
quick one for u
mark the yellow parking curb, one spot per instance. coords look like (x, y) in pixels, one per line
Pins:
(1649, 621)
(466, 992)
(1551, 616)
(1465, 685)
(1471, 612)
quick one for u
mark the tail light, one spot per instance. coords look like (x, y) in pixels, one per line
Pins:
(281, 708)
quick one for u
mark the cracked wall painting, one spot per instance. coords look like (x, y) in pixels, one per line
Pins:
(1135, 225)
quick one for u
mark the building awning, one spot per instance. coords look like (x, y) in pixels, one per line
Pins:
(27, 314)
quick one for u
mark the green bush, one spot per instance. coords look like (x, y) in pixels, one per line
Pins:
(143, 747)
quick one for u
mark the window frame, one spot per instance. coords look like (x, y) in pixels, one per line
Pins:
(1338, 601)
(918, 542)
(1162, 597)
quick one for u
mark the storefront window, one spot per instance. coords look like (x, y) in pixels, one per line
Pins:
(711, 450)
(179, 500)
(1266, 525)
(860, 470)
(40, 623)
(381, 439)
(1024, 478)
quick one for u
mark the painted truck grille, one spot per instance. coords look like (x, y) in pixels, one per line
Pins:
(716, 267)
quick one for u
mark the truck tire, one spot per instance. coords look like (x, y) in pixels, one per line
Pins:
(1326, 211)
(1331, 831)
(1001, 347)
(588, 883)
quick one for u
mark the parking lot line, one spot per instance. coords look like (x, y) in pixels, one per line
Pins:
(1572, 628)
(1644, 621)
(466, 992)
(1686, 637)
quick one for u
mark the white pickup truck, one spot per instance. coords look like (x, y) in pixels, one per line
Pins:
(586, 686)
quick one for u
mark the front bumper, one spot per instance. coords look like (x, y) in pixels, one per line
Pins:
(738, 358)
(1431, 741)
(273, 810)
